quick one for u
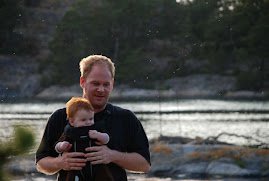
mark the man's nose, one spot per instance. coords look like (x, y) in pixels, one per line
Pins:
(101, 88)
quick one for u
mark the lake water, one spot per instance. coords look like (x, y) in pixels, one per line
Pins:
(184, 117)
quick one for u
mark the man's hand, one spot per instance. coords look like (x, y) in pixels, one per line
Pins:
(130, 161)
(68, 161)
(99, 155)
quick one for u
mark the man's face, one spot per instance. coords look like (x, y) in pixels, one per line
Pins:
(97, 86)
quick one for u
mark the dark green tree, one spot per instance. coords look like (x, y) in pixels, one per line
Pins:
(10, 15)
(236, 40)
(118, 29)
(251, 38)
(230, 35)
(258, 44)
(197, 23)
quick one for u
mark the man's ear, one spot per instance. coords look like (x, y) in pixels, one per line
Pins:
(112, 84)
(82, 82)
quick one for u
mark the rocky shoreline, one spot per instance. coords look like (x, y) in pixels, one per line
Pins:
(25, 83)
(182, 158)
(199, 161)
(124, 92)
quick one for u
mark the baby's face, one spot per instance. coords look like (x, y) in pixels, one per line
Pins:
(82, 118)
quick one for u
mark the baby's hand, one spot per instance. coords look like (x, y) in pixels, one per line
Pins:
(93, 134)
(101, 138)
(63, 146)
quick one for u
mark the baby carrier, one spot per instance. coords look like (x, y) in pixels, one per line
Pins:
(79, 138)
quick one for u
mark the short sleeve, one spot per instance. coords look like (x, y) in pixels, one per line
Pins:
(138, 141)
(52, 132)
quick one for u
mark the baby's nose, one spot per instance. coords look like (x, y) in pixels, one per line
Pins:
(89, 122)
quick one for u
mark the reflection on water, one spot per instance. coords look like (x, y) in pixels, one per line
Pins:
(188, 118)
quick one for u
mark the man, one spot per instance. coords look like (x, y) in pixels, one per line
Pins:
(129, 147)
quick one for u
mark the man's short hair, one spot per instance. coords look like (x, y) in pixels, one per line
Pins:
(87, 63)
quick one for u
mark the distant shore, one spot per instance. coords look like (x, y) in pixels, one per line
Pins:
(198, 86)
(127, 93)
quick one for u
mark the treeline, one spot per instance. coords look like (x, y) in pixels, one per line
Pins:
(10, 15)
(151, 40)
(12, 19)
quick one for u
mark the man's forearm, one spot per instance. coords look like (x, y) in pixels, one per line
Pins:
(131, 161)
(48, 165)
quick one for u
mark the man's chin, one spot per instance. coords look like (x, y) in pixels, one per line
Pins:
(99, 104)
(99, 101)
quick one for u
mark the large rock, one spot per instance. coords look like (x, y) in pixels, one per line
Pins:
(201, 85)
(245, 94)
(190, 160)
(19, 82)
(60, 92)
(230, 169)
(195, 168)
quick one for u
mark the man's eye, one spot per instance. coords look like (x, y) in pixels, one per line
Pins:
(95, 84)
(107, 85)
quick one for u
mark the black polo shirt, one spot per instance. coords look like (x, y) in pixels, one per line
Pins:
(127, 135)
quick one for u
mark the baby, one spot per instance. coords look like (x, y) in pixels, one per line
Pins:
(80, 114)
